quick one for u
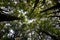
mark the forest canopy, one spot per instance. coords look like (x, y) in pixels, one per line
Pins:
(39, 20)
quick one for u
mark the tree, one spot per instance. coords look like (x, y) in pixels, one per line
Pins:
(6, 17)
(39, 20)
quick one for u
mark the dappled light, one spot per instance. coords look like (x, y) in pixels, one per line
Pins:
(29, 20)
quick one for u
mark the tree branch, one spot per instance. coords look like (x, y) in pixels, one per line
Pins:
(49, 34)
(53, 7)
(7, 17)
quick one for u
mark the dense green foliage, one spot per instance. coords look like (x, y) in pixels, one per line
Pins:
(35, 23)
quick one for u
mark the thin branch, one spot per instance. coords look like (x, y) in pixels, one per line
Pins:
(35, 5)
(49, 34)
(54, 7)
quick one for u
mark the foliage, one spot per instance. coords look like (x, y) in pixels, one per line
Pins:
(35, 23)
